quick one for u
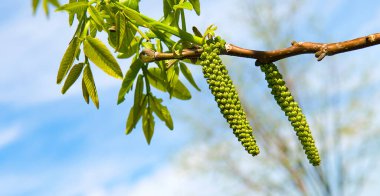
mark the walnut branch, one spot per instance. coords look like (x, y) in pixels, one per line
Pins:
(297, 48)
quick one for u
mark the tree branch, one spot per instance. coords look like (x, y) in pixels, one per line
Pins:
(319, 49)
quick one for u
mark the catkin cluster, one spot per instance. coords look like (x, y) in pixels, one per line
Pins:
(292, 110)
(225, 94)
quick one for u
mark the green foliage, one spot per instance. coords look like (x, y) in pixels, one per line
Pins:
(45, 5)
(179, 90)
(90, 85)
(68, 59)
(128, 32)
(98, 53)
(225, 94)
(73, 76)
(186, 72)
(294, 113)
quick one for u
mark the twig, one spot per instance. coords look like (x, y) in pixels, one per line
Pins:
(320, 50)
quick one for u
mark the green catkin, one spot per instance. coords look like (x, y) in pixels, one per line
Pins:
(225, 94)
(294, 113)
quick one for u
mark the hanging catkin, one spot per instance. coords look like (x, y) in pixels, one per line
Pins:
(225, 94)
(294, 113)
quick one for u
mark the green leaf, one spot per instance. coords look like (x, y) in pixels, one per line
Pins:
(86, 96)
(54, 2)
(128, 51)
(133, 4)
(129, 78)
(181, 92)
(99, 54)
(72, 77)
(46, 7)
(148, 124)
(184, 5)
(167, 8)
(75, 7)
(197, 32)
(35, 5)
(134, 15)
(172, 75)
(148, 45)
(133, 119)
(197, 6)
(186, 72)
(121, 22)
(93, 28)
(96, 17)
(71, 15)
(90, 85)
(68, 59)
(161, 111)
(156, 80)
(139, 90)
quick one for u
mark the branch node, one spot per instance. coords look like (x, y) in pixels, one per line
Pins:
(370, 38)
(322, 52)
(228, 47)
(148, 55)
(293, 42)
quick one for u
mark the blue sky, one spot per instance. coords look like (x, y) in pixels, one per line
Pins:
(53, 143)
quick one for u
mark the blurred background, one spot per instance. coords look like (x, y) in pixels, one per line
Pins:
(53, 144)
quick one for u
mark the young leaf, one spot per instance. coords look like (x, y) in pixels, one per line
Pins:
(98, 19)
(75, 7)
(139, 90)
(161, 111)
(120, 29)
(156, 80)
(35, 5)
(129, 78)
(54, 2)
(167, 8)
(197, 32)
(90, 85)
(133, 4)
(98, 53)
(72, 77)
(186, 72)
(148, 124)
(71, 15)
(172, 75)
(68, 59)
(134, 119)
(93, 28)
(86, 96)
(134, 15)
(183, 5)
(181, 92)
(196, 6)
(46, 7)
(128, 51)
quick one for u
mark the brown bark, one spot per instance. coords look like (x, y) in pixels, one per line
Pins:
(297, 48)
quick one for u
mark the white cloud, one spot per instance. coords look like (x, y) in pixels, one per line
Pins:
(9, 135)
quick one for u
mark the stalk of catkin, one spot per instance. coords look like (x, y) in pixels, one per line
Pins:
(225, 94)
(294, 113)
